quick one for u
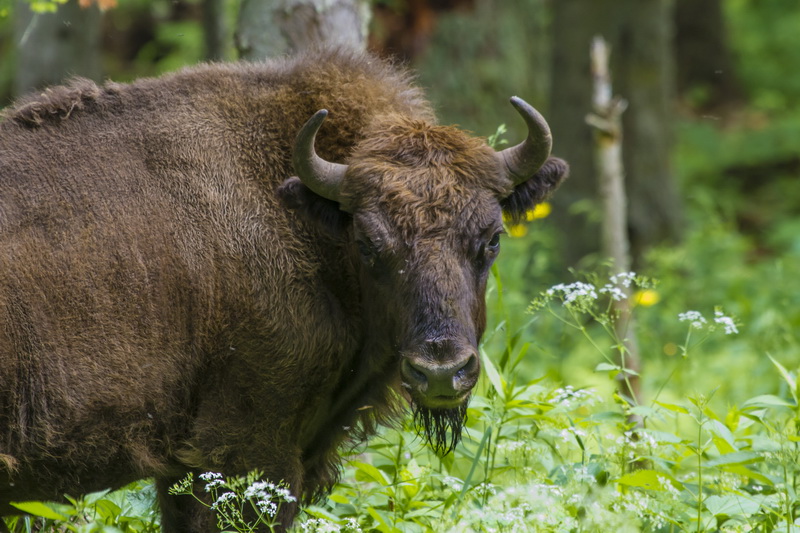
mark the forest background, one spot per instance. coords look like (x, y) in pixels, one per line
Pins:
(711, 156)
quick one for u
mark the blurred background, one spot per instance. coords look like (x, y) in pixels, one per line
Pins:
(710, 135)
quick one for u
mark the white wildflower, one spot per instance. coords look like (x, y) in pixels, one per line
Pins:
(222, 499)
(567, 433)
(284, 494)
(726, 322)
(208, 476)
(697, 319)
(320, 525)
(573, 292)
(623, 278)
(352, 525)
(214, 483)
(258, 489)
(453, 483)
(568, 395)
(267, 507)
(615, 293)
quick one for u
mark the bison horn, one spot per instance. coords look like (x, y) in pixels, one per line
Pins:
(322, 177)
(523, 160)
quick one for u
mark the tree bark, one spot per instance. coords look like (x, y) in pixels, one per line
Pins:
(215, 29)
(647, 77)
(571, 91)
(55, 46)
(705, 71)
(284, 26)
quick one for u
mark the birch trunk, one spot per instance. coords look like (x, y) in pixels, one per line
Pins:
(284, 26)
(607, 123)
(54, 46)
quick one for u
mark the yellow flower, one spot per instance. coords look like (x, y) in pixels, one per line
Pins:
(646, 297)
(540, 211)
(517, 230)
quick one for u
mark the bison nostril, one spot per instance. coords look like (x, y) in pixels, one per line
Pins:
(415, 375)
(466, 375)
(468, 368)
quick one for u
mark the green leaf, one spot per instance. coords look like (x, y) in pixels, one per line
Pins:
(662, 437)
(786, 377)
(367, 472)
(673, 407)
(38, 509)
(339, 498)
(383, 521)
(766, 400)
(723, 438)
(606, 367)
(735, 458)
(491, 372)
(649, 479)
(644, 411)
(734, 504)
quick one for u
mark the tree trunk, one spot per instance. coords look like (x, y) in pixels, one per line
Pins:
(640, 35)
(215, 29)
(573, 26)
(284, 26)
(647, 78)
(705, 73)
(55, 46)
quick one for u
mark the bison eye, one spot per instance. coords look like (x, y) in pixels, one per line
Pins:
(488, 251)
(367, 252)
(494, 243)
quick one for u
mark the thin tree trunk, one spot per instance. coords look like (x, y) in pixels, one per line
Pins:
(284, 26)
(607, 123)
(215, 29)
(55, 46)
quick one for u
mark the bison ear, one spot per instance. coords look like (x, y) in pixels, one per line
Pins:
(323, 213)
(535, 190)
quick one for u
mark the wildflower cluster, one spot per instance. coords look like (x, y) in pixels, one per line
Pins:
(244, 504)
(698, 321)
(576, 294)
(569, 396)
(323, 525)
(585, 296)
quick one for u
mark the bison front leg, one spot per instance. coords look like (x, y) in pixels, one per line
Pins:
(184, 514)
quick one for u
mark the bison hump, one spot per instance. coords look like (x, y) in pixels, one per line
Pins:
(54, 104)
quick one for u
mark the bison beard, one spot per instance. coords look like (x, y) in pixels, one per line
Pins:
(441, 428)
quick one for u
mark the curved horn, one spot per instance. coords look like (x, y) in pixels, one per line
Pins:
(322, 177)
(523, 160)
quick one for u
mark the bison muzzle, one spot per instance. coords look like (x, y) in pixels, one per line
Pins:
(239, 267)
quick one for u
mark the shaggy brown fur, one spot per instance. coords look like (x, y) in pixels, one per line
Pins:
(163, 310)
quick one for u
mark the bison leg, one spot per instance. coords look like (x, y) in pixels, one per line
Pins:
(183, 514)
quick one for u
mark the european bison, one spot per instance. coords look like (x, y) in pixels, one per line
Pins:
(173, 301)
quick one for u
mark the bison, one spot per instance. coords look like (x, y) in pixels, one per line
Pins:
(173, 300)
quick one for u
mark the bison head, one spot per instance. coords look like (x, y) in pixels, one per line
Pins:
(419, 207)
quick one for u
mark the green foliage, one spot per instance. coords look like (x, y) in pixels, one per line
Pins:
(129, 510)
(766, 57)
